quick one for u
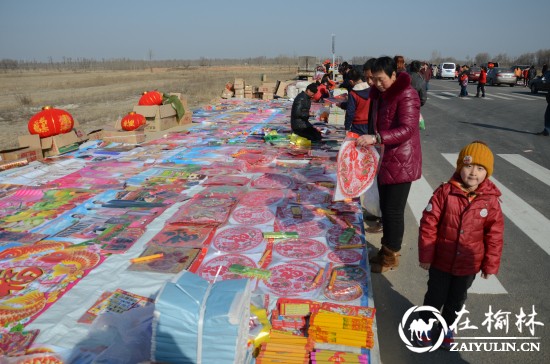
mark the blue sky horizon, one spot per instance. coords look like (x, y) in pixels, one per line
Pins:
(172, 30)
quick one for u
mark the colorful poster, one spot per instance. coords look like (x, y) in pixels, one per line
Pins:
(117, 302)
(174, 259)
(36, 276)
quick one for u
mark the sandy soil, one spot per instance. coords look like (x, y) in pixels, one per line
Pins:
(97, 99)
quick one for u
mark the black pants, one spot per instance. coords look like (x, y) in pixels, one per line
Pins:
(481, 86)
(393, 199)
(309, 133)
(447, 291)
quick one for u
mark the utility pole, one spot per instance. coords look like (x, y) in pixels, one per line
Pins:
(333, 57)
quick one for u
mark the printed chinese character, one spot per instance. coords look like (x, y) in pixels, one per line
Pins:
(463, 325)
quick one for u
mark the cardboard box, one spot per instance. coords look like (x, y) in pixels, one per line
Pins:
(267, 95)
(30, 154)
(158, 117)
(82, 136)
(280, 89)
(188, 116)
(238, 84)
(51, 146)
(128, 137)
(267, 87)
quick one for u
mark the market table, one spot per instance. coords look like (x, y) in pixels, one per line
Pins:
(213, 190)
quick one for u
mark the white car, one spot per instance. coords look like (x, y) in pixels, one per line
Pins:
(446, 70)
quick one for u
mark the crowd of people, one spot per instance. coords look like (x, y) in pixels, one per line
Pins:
(383, 109)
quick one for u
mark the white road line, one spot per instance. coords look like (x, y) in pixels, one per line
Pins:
(518, 97)
(438, 96)
(420, 194)
(526, 165)
(501, 97)
(534, 224)
(450, 94)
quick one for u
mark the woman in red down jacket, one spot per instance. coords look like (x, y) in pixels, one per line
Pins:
(396, 111)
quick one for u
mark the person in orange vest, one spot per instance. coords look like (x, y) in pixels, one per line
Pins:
(525, 76)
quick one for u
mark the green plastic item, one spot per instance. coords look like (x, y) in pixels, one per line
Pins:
(280, 234)
(250, 272)
(346, 236)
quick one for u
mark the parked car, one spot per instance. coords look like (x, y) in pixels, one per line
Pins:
(540, 83)
(474, 74)
(446, 70)
(501, 75)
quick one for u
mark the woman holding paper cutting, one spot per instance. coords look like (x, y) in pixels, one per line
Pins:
(397, 108)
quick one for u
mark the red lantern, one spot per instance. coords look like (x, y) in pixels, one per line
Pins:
(149, 98)
(50, 121)
(132, 121)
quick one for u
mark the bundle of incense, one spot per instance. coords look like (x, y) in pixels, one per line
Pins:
(334, 328)
(348, 310)
(280, 234)
(331, 356)
(265, 260)
(339, 321)
(294, 324)
(353, 338)
(275, 352)
(296, 306)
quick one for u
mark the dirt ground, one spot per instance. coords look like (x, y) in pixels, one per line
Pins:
(96, 99)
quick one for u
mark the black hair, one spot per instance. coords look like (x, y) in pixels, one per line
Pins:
(386, 64)
(368, 64)
(312, 87)
(415, 66)
(354, 75)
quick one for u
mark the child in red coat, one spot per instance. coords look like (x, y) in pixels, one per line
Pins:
(461, 233)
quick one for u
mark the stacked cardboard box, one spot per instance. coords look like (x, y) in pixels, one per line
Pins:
(238, 86)
(248, 91)
(158, 117)
(267, 89)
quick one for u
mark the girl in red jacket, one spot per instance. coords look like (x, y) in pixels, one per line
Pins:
(461, 233)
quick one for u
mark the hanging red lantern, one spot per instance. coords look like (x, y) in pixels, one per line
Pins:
(132, 121)
(50, 122)
(149, 98)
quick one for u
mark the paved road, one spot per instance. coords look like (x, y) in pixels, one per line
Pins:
(506, 119)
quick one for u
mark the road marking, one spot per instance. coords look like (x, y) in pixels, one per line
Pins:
(501, 97)
(530, 221)
(438, 96)
(450, 94)
(518, 97)
(526, 165)
(420, 194)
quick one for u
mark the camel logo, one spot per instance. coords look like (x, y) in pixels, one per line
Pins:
(420, 328)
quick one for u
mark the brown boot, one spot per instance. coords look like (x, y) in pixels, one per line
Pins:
(390, 261)
(377, 259)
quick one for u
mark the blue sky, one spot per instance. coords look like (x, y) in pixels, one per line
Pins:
(39, 29)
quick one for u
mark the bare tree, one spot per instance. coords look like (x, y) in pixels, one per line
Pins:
(150, 54)
(482, 58)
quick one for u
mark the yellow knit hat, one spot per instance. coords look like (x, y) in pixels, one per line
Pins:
(476, 152)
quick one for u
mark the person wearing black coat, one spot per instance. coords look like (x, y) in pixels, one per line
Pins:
(299, 115)
(417, 82)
